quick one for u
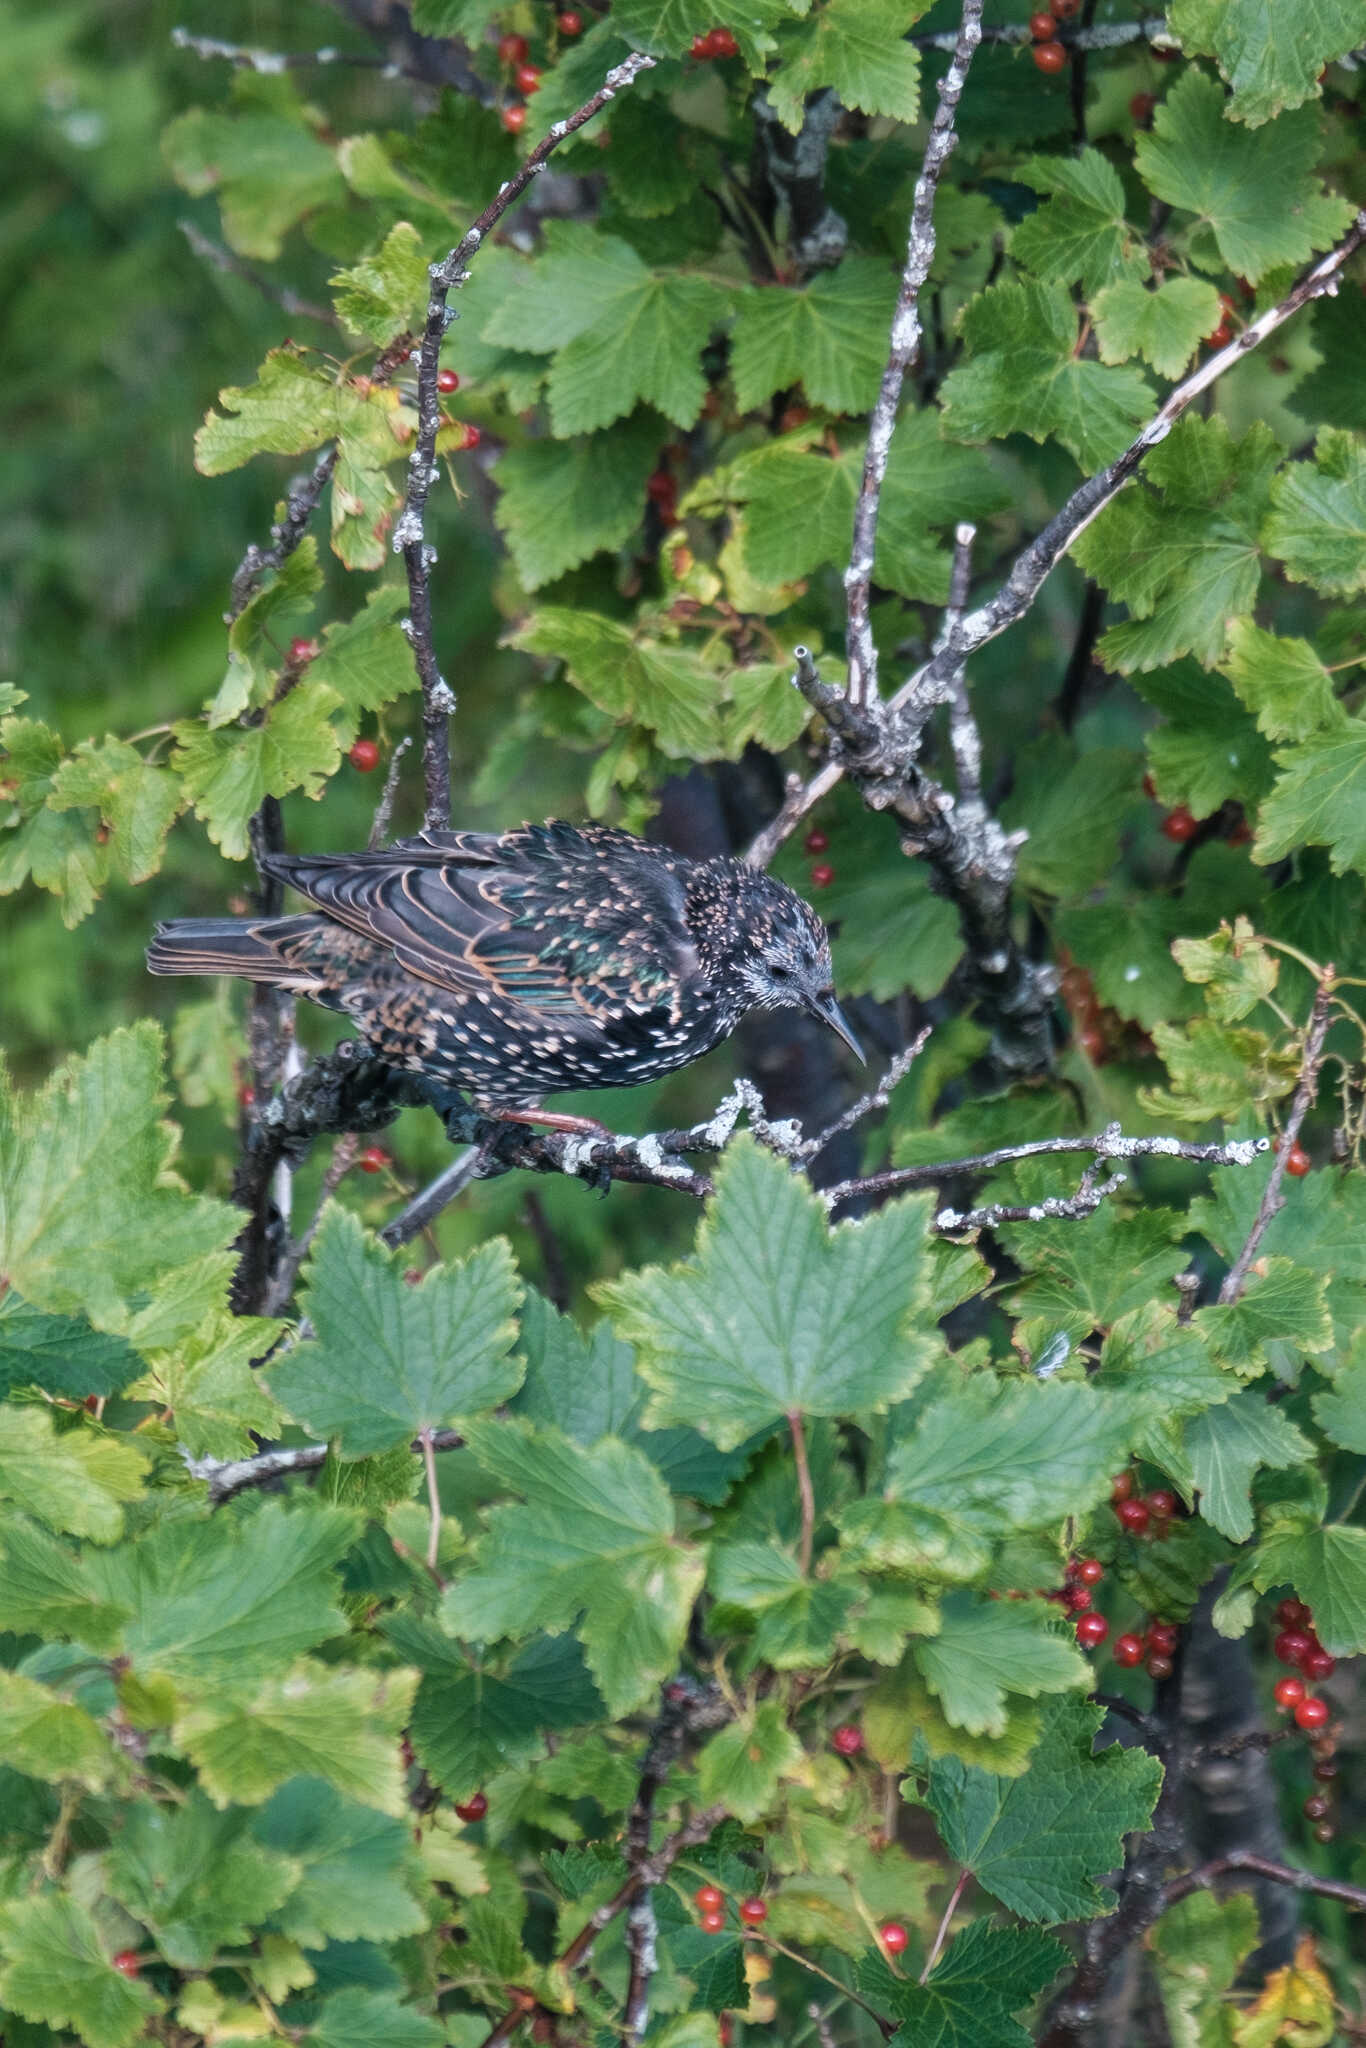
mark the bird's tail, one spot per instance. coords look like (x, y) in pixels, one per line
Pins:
(251, 947)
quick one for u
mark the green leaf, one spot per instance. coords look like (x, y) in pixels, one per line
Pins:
(986, 1649)
(195, 1878)
(220, 1603)
(49, 1738)
(668, 689)
(470, 1722)
(1072, 818)
(1198, 1948)
(1341, 1413)
(1182, 549)
(58, 1973)
(311, 1720)
(1271, 61)
(267, 169)
(1258, 193)
(1317, 522)
(1327, 1568)
(1038, 1843)
(138, 801)
(290, 408)
(357, 2018)
(1280, 1303)
(228, 773)
(798, 1618)
(983, 1978)
(644, 345)
(859, 48)
(830, 336)
(1320, 796)
(90, 1210)
(776, 1314)
(560, 502)
(358, 1868)
(1092, 1272)
(668, 27)
(1233, 967)
(389, 1359)
(1164, 326)
(1024, 376)
(742, 1765)
(1208, 750)
(1226, 1446)
(383, 294)
(594, 1543)
(366, 661)
(1282, 682)
(72, 1479)
(46, 1590)
(1081, 235)
(60, 1354)
(208, 1377)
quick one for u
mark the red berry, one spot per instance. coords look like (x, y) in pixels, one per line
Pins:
(475, 1807)
(1141, 108)
(374, 1159)
(1064, 8)
(1325, 1831)
(847, 1740)
(1325, 1771)
(723, 43)
(1159, 1666)
(447, 380)
(713, 1921)
(569, 23)
(512, 49)
(660, 486)
(822, 875)
(753, 1912)
(1090, 1571)
(1311, 1712)
(708, 1899)
(127, 1962)
(1220, 336)
(1315, 1806)
(1297, 1161)
(725, 2030)
(1050, 58)
(816, 841)
(470, 438)
(1288, 1692)
(893, 1937)
(527, 78)
(246, 1096)
(1076, 1599)
(1133, 1516)
(1292, 1613)
(1092, 1629)
(1042, 26)
(1161, 1503)
(1121, 1486)
(701, 46)
(301, 651)
(364, 755)
(1163, 1636)
(513, 119)
(1318, 1664)
(1128, 1649)
(1180, 825)
(1291, 1646)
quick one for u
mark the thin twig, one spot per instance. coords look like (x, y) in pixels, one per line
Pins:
(1034, 563)
(270, 63)
(230, 264)
(685, 1708)
(905, 346)
(964, 738)
(941, 1932)
(285, 534)
(433, 1499)
(226, 1477)
(876, 1098)
(1245, 1860)
(384, 809)
(1112, 36)
(805, 1491)
(1111, 1143)
(1273, 1200)
(1067, 1208)
(410, 538)
(287, 1271)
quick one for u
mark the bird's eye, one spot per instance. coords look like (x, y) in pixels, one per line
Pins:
(779, 973)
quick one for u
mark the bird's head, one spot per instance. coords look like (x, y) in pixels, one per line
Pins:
(786, 964)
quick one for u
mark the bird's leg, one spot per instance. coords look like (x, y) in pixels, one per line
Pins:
(550, 1120)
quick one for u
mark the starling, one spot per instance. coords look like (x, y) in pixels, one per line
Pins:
(506, 968)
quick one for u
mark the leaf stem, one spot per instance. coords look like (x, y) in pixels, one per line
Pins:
(434, 1497)
(941, 1932)
(804, 1488)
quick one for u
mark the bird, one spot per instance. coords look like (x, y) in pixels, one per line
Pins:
(508, 967)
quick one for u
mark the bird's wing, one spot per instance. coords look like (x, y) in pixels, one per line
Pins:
(563, 920)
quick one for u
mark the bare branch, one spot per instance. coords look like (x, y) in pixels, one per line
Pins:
(409, 537)
(1112, 35)
(877, 1098)
(231, 265)
(226, 1477)
(384, 810)
(287, 1271)
(1070, 1208)
(964, 738)
(285, 534)
(1110, 1144)
(1244, 1860)
(905, 346)
(1320, 1017)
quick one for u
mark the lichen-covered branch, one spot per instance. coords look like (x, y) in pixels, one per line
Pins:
(904, 347)
(410, 538)
(1273, 1199)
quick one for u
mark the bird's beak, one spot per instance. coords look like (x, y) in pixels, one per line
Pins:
(828, 1010)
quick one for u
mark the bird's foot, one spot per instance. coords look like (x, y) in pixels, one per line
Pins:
(550, 1120)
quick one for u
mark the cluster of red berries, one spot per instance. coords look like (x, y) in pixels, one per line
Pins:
(513, 54)
(717, 42)
(710, 1901)
(1153, 1649)
(1222, 335)
(817, 843)
(1297, 1643)
(662, 492)
(1137, 1514)
(448, 381)
(1048, 52)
